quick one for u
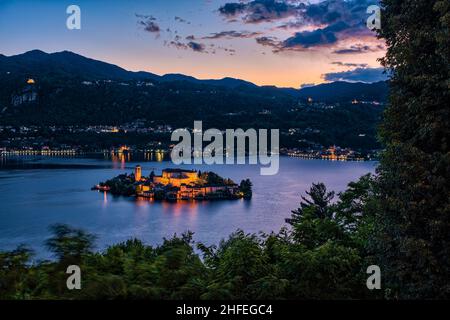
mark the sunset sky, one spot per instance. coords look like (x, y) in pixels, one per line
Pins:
(287, 43)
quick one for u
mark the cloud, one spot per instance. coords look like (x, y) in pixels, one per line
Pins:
(272, 42)
(191, 45)
(267, 41)
(232, 9)
(306, 39)
(357, 75)
(177, 44)
(359, 48)
(349, 64)
(197, 47)
(299, 25)
(232, 34)
(307, 85)
(324, 23)
(323, 12)
(145, 17)
(258, 11)
(149, 24)
(181, 20)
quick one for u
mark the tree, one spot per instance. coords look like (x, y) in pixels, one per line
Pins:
(14, 273)
(152, 175)
(318, 199)
(246, 188)
(69, 244)
(412, 239)
(356, 208)
(236, 264)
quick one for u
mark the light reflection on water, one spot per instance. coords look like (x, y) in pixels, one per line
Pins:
(37, 192)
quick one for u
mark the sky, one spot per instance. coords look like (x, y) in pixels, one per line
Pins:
(287, 43)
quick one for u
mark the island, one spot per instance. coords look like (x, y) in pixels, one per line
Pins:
(176, 184)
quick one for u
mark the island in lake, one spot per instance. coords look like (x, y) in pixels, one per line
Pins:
(177, 184)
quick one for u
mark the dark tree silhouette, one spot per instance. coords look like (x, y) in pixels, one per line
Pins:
(413, 239)
(68, 243)
(318, 199)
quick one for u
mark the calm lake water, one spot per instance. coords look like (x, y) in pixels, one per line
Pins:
(36, 192)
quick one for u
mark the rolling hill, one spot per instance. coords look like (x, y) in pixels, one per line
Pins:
(67, 65)
(72, 90)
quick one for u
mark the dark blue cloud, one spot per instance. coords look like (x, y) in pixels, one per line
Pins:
(232, 34)
(232, 9)
(191, 45)
(358, 75)
(336, 20)
(321, 12)
(350, 64)
(317, 37)
(181, 20)
(198, 47)
(149, 24)
(358, 48)
(260, 10)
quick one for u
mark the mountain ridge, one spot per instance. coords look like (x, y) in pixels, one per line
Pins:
(37, 63)
(68, 91)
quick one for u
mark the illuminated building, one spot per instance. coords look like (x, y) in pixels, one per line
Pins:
(179, 184)
(192, 192)
(176, 177)
(28, 94)
(143, 188)
(123, 149)
(137, 173)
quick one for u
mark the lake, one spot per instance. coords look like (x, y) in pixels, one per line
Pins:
(36, 192)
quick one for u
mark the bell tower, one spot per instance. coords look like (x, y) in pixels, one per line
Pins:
(137, 173)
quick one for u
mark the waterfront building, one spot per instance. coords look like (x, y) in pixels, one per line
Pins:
(193, 192)
(179, 184)
(176, 177)
(138, 174)
(28, 94)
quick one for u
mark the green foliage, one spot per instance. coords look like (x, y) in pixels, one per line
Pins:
(212, 178)
(69, 244)
(122, 185)
(14, 274)
(412, 240)
(318, 203)
(246, 188)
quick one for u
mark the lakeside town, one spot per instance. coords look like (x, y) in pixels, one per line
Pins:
(333, 153)
(137, 137)
(176, 184)
(306, 137)
(159, 153)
